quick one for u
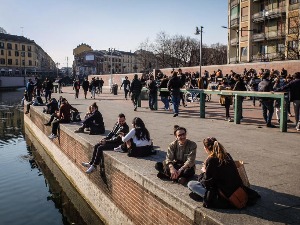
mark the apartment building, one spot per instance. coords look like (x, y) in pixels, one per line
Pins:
(263, 30)
(22, 56)
(88, 61)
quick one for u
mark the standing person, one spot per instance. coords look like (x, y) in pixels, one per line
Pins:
(85, 86)
(97, 83)
(93, 86)
(76, 87)
(29, 89)
(226, 100)
(164, 95)
(179, 164)
(152, 87)
(47, 86)
(38, 86)
(135, 89)
(137, 141)
(239, 86)
(63, 116)
(253, 84)
(267, 103)
(183, 79)
(126, 84)
(174, 86)
(101, 83)
(112, 140)
(294, 90)
(219, 172)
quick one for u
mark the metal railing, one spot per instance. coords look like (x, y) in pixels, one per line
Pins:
(238, 101)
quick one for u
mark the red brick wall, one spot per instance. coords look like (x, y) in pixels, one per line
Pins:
(141, 206)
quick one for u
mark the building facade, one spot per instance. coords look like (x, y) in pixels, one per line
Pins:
(20, 56)
(263, 30)
(96, 62)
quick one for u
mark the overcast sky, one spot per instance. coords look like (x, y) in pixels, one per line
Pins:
(58, 26)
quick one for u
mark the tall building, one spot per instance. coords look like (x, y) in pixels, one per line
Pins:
(263, 30)
(22, 56)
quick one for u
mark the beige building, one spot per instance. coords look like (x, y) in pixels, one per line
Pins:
(22, 56)
(263, 30)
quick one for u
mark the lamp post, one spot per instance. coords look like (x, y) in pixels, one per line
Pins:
(111, 69)
(57, 64)
(200, 51)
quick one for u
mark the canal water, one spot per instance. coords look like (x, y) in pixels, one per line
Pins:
(31, 193)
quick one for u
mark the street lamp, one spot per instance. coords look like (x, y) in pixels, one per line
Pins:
(111, 69)
(57, 64)
(236, 44)
(197, 33)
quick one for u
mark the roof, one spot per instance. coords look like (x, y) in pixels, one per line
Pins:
(15, 38)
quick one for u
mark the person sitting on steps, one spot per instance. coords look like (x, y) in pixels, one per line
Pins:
(94, 122)
(111, 141)
(179, 165)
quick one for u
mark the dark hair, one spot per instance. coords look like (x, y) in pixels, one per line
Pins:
(216, 149)
(95, 105)
(297, 75)
(265, 75)
(141, 131)
(121, 115)
(178, 128)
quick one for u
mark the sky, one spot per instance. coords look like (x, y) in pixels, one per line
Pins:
(59, 26)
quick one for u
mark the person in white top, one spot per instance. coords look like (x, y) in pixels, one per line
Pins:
(137, 142)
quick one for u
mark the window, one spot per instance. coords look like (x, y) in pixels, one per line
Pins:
(23, 47)
(16, 46)
(9, 53)
(30, 63)
(29, 48)
(293, 44)
(17, 62)
(2, 61)
(281, 48)
(294, 1)
(29, 54)
(234, 13)
(244, 51)
(23, 54)
(245, 13)
(2, 52)
(9, 46)
(1, 44)
(9, 61)
(23, 62)
(16, 53)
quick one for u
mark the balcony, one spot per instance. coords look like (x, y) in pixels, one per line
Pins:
(234, 3)
(268, 14)
(233, 60)
(234, 41)
(294, 6)
(244, 59)
(258, 37)
(234, 22)
(272, 35)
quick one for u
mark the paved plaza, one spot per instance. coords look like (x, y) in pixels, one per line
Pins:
(272, 158)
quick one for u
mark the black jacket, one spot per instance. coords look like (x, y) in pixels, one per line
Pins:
(174, 86)
(164, 84)
(136, 86)
(113, 136)
(265, 86)
(294, 88)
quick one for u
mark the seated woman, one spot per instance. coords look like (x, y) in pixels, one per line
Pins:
(137, 142)
(219, 173)
(94, 122)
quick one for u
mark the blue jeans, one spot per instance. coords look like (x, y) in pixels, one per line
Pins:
(268, 106)
(165, 100)
(176, 102)
(152, 100)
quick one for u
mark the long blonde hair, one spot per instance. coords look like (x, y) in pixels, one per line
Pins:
(216, 149)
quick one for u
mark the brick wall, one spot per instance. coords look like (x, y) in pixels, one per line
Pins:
(135, 201)
(291, 66)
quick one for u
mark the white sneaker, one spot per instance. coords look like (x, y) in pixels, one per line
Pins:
(52, 136)
(86, 164)
(91, 169)
(118, 149)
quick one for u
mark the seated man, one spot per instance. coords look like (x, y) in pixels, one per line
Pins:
(180, 159)
(94, 122)
(112, 140)
(36, 101)
(51, 106)
(63, 116)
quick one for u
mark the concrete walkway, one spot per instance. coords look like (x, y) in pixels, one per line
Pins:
(272, 158)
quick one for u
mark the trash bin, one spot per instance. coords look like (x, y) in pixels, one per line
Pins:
(115, 89)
